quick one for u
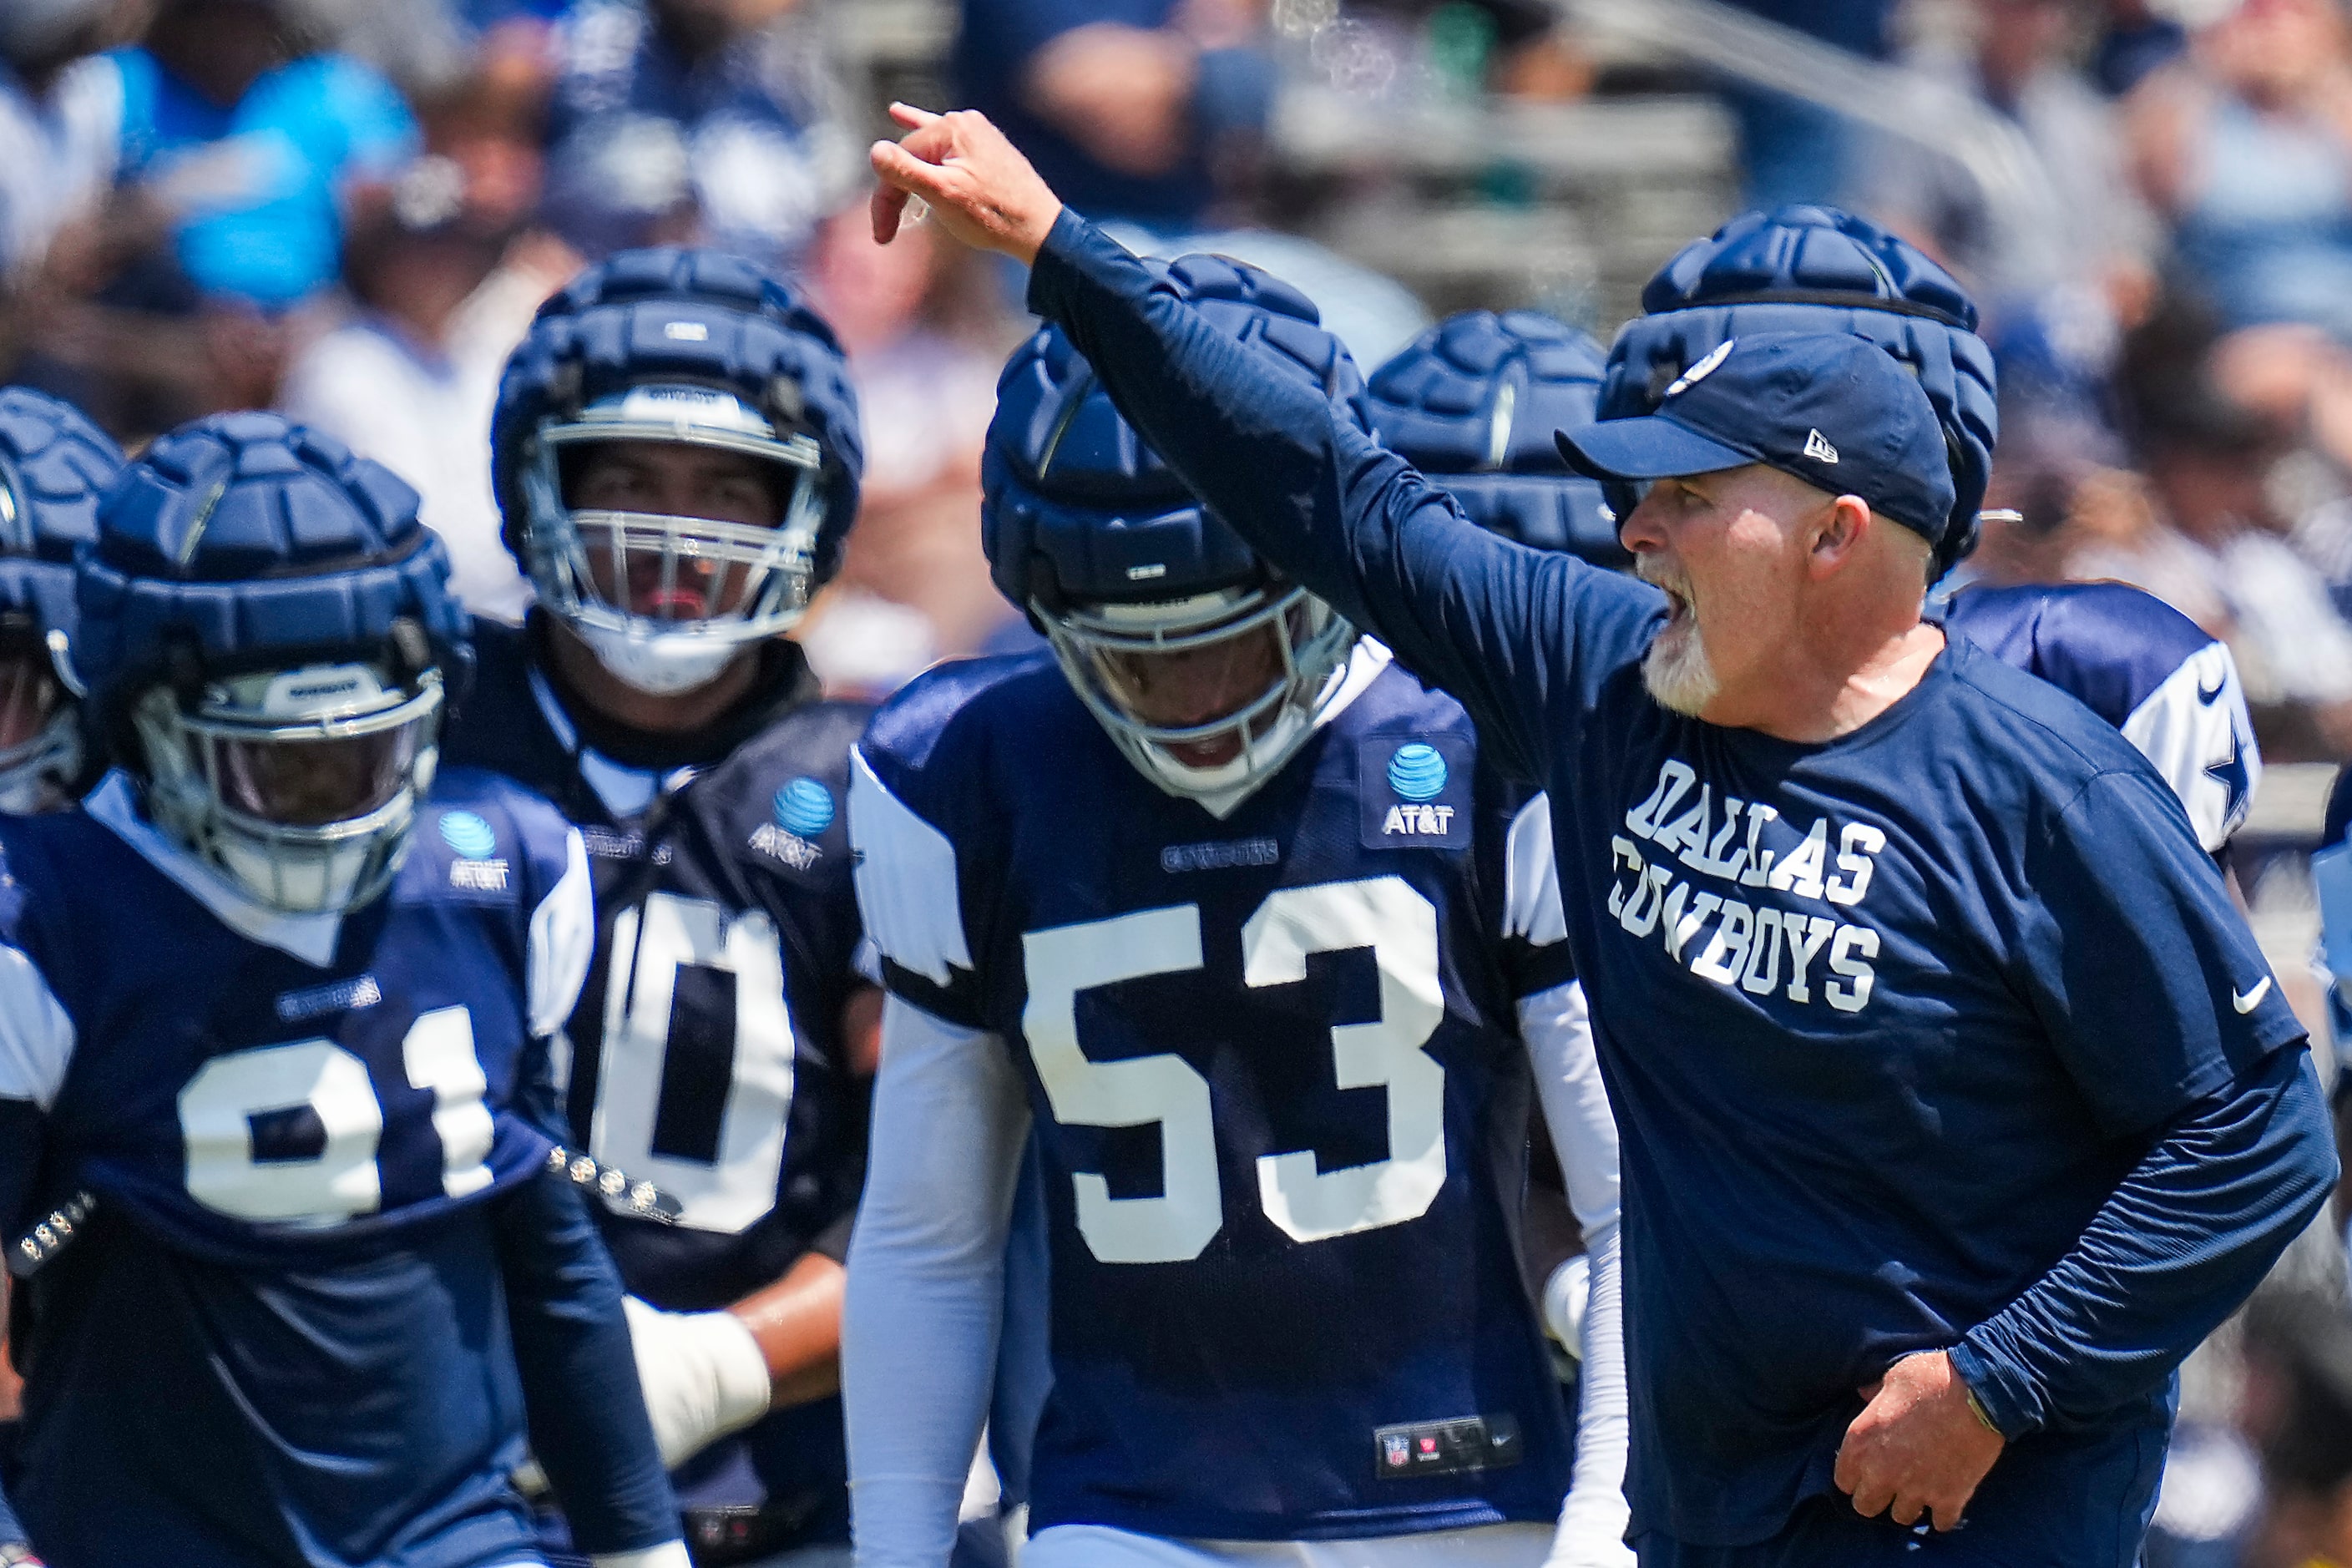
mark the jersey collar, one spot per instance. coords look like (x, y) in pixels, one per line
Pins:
(311, 938)
(625, 790)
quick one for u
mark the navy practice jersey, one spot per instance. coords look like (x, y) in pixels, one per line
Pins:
(1884, 1020)
(706, 1054)
(283, 1338)
(2153, 673)
(1281, 1100)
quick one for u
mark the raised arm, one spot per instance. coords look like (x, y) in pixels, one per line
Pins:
(1518, 635)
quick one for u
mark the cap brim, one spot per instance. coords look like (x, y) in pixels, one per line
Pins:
(1648, 447)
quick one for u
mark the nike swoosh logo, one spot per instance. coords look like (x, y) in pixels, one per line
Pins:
(2246, 1000)
(2209, 697)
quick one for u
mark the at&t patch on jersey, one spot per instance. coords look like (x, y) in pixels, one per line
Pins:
(1416, 790)
(803, 809)
(478, 867)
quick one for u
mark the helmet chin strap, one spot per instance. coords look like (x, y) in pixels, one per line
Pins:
(660, 666)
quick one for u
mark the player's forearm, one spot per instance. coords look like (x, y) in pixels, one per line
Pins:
(1558, 1028)
(589, 1428)
(926, 1281)
(2181, 1242)
(1592, 1521)
(797, 1322)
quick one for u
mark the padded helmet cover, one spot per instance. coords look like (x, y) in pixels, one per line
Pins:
(1816, 270)
(1078, 509)
(1473, 403)
(692, 317)
(242, 541)
(54, 464)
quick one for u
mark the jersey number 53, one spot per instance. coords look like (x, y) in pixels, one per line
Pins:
(1385, 914)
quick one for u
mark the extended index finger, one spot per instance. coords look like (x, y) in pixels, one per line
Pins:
(911, 117)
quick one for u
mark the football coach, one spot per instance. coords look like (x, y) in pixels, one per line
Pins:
(1957, 1101)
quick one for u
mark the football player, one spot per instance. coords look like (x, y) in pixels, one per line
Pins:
(1234, 911)
(54, 464)
(296, 1049)
(676, 454)
(2136, 662)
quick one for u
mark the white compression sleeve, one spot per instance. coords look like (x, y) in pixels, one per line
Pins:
(1558, 1029)
(926, 1280)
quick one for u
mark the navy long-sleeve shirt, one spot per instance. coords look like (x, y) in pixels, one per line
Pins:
(1940, 1033)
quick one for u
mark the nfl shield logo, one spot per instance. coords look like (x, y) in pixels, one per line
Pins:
(1395, 1450)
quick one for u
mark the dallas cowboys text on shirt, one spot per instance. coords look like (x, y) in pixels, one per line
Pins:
(1743, 898)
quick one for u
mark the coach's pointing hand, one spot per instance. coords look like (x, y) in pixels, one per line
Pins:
(1917, 1446)
(978, 186)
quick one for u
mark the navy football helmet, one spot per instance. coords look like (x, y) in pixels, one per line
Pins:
(1473, 403)
(54, 464)
(267, 637)
(1204, 663)
(1817, 269)
(693, 347)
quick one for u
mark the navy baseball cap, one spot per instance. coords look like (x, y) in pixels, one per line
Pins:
(1828, 408)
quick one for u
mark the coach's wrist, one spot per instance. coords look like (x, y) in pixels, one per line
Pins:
(18, 1554)
(1998, 1391)
(1062, 261)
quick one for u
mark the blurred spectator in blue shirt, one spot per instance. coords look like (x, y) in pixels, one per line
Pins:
(245, 149)
(1790, 150)
(2246, 145)
(1130, 109)
(710, 121)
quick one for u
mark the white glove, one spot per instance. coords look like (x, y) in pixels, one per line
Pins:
(672, 1555)
(703, 1375)
(1566, 1293)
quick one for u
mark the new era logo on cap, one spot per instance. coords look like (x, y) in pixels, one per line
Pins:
(1832, 410)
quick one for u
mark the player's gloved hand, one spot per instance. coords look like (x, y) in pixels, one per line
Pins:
(1564, 1299)
(703, 1375)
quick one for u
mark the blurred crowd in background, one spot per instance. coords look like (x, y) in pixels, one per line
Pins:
(347, 210)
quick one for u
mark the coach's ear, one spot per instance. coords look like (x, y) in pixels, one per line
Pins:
(1840, 530)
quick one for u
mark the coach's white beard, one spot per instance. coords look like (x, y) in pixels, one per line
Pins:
(1675, 671)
